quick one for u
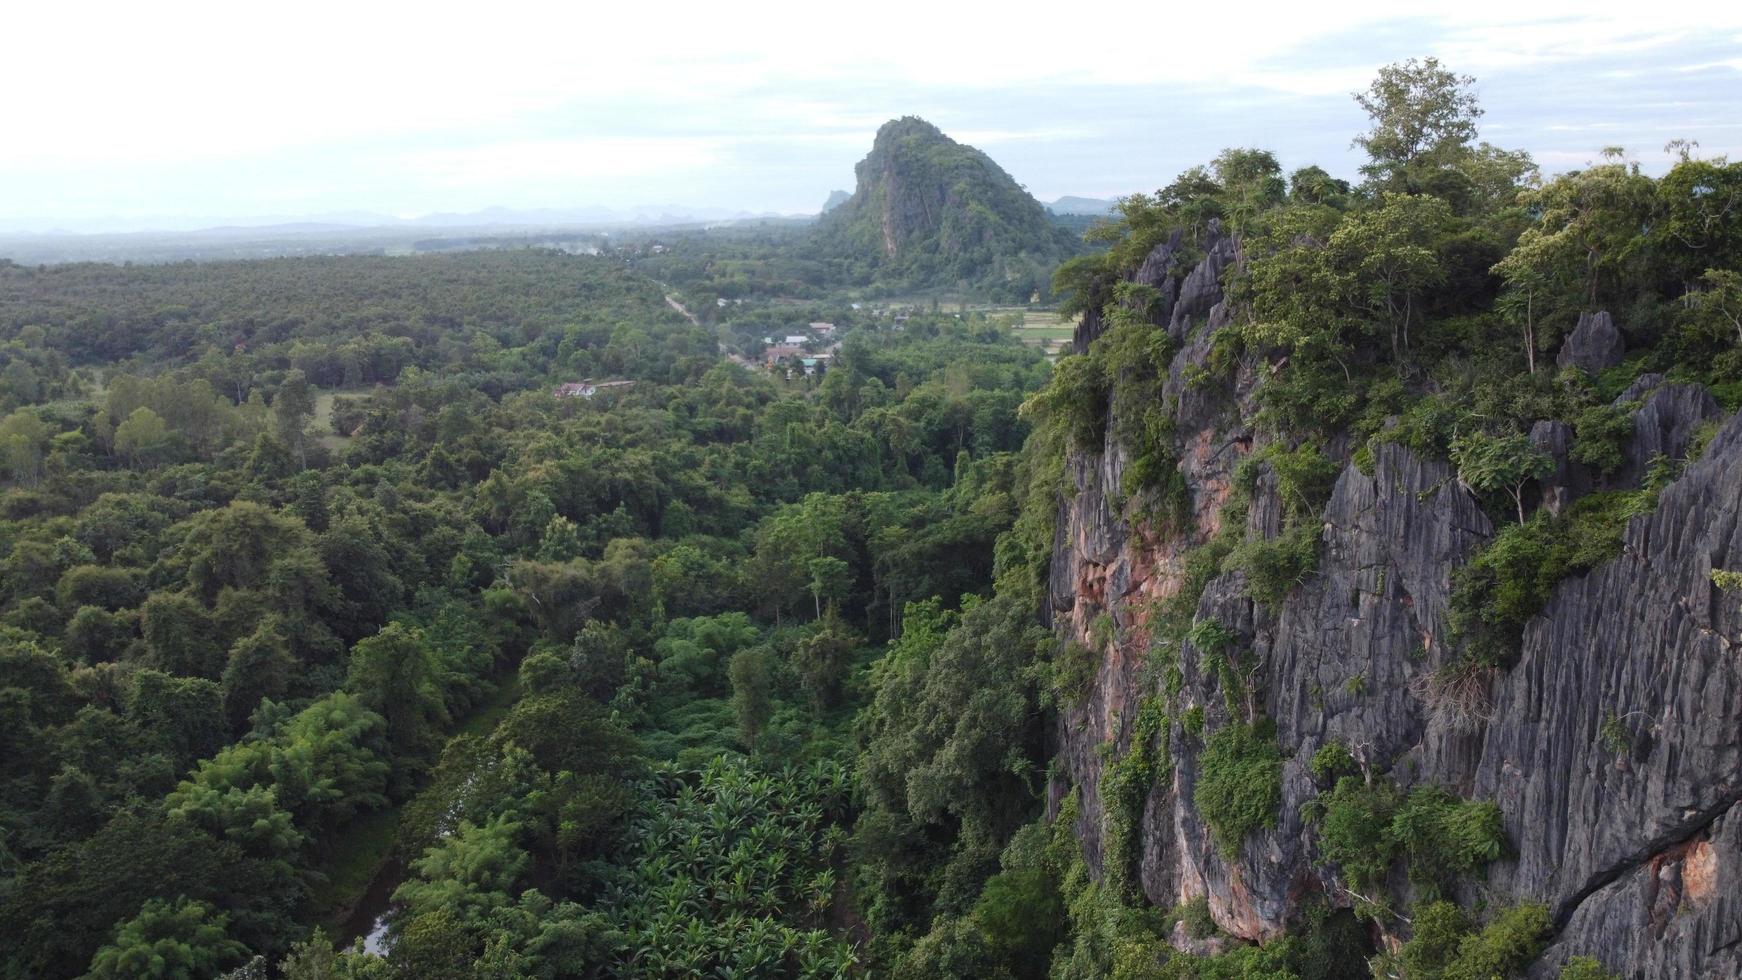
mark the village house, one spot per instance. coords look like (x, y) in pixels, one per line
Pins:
(780, 352)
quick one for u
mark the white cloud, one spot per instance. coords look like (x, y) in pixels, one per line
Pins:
(560, 159)
(111, 101)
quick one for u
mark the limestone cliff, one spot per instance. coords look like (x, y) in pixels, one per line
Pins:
(928, 212)
(1613, 745)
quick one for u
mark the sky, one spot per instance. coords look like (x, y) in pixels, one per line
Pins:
(125, 116)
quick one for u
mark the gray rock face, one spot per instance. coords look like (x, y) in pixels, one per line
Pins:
(1594, 345)
(1665, 426)
(1637, 828)
(1159, 271)
(1188, 298)
(1091, 326)
(1104, 561)
(1570, 479)
(1613, 746)
(1202, 288)
(1643, 385)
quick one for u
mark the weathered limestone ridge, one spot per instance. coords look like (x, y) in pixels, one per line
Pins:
(1635, 848)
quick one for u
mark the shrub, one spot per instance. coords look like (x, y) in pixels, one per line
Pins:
(1125, 785)
(1276, 565)
(1603, 433)
(1585, 968)
(1510, 580)
(1102, 631)
(1195, 915)
(1331, 761)
(1444, 837)
(1614, 735)
(1193, 720)
(1073, 673)
(1074, 402)
(1239, 783)
(1022, 917)
(1211, 636)
(1503, 948)
(1439, 927)
(1303, 478)
(1364, 827)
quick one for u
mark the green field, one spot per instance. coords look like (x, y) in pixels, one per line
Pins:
(323, 420)
(1043, 329)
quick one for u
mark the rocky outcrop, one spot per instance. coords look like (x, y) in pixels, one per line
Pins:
(1664, 426)
(1611, 745)
(929, 211)
(1594, 345)
(1202, 288)
(1614, 750)
(1570, 479)
(1666, 420)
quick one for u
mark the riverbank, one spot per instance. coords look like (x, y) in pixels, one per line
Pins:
(365, 868)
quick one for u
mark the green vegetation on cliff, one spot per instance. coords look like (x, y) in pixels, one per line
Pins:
(929, 213)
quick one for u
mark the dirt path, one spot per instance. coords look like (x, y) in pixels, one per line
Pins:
(671, 299)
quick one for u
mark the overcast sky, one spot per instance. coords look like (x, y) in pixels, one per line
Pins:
(132, 115)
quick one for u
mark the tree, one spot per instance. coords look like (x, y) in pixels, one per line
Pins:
(1588, 224)
(822, 659)
(102, 586)
(178, 635)
(1251, 185)
(1699, 204)
(1386, 258)
(952, 743)
(260, 666)
(184, 940)
(248, 816)
(316, 959)
(22, 435)
(831, 578)
(1424, 117)
(240, 546)
(470, 873)
(1718, 306)
(185, 713)
(1526, 283)
(142, 437)
(752, 693)
(395, 674)
(96, 636)
(566, 731)
(1487, 463)
(292, 407)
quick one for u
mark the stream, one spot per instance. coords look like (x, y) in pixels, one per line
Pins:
(368, 919)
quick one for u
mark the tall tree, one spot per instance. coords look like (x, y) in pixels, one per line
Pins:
(1424, 117)
(292, 408)
(396, 674)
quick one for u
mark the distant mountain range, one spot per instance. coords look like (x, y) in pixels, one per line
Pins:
(494, 218)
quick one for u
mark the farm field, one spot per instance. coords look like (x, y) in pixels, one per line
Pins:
(1043, 329)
